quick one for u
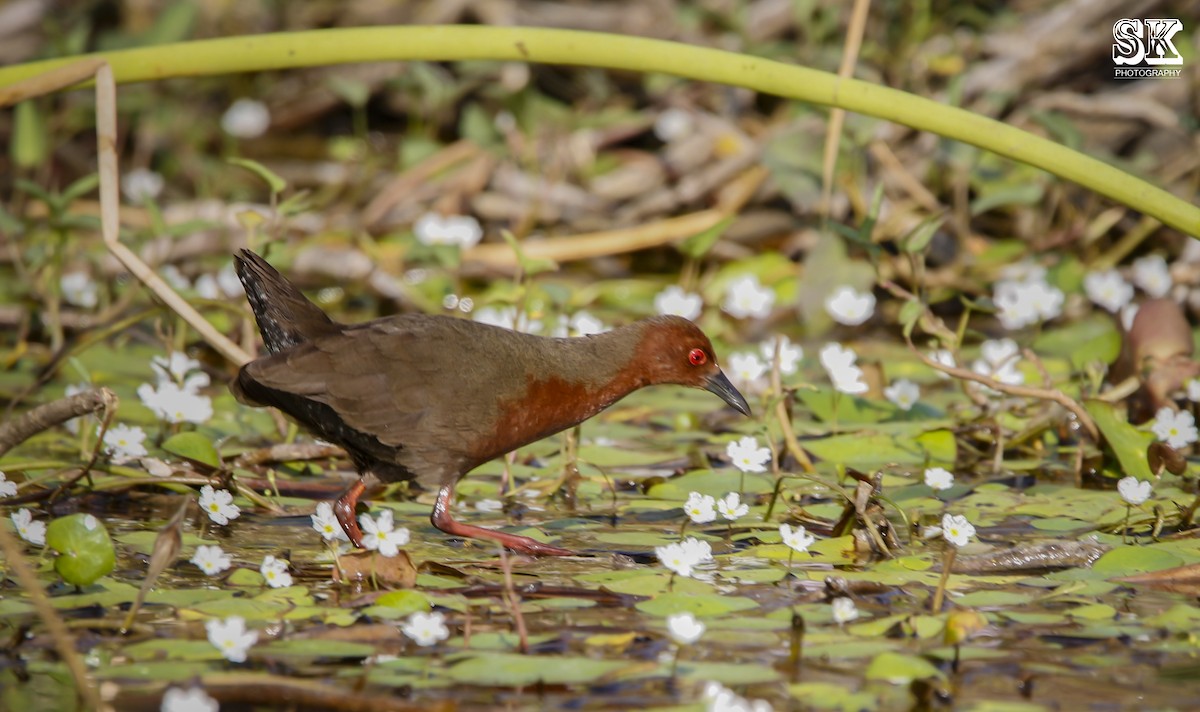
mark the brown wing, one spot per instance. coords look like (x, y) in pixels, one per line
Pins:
(427, 386)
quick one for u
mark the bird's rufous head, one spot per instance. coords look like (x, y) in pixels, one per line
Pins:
(674, 350)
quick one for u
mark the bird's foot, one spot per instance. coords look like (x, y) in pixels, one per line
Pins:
(442, 520)
(525, 545)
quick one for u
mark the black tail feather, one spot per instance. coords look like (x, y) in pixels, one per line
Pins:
(284, 315)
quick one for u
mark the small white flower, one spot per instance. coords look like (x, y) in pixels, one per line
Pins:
(946, 358)
(246, 118)
(849, 306)
(584, 324)
(1024, 271)
(211, 559)
(797, 539)
(684, 628)
(746, 368)
(747, 456)
(177, 368)
(1047, 300)
(1193, 390)
(697, 550)
(80, 289)
(231, 637)
(1108, 289)
(673, 300)
(747, 298)
(141, 185)
(437, 229)
(903, 392)
(999, 361)
(489, 505)
(29, 528)
(174, 404)
(1152, 275)
(193, 699)
(718, 698)
(789, 354)
(700, 508)
(172, 276)
(497, 316)
(839, 363)
(426, 628)
(997, 352)
(956, 529)
(1176, 428)
(382, 535)
(326, 523)
(579, 324)
(673, 124)
(1133, 490)
(228, 281)
(508, 318)
(7, 489)
(683, 557)
(844, 610)
(275, 571)
(731, 506)
(1128, 314)
(939, 478)
(206, 287)
(218, 505)
(124, 442)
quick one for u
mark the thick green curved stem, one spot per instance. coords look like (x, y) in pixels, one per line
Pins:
(446, 43)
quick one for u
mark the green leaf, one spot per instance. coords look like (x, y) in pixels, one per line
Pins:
(402, 603)
(1129, 560)
(699, 244)
(85, 551)
(698, 604)
(352, 91)
(900, 669)
(918, 238)
(1127, 442)
(273, 180)
(30, 141)
(528, 266)
(195, 447)
(910, 313)
(81, 187)
(510, 670)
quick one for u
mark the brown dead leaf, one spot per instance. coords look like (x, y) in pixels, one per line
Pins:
(397, 571)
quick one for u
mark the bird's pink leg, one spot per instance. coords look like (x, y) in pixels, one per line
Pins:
(442, 520)
(343, 509)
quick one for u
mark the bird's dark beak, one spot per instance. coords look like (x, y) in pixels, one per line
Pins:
(720, 385)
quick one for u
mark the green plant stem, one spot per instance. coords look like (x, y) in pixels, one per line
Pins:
(940, 593)
(529, 44)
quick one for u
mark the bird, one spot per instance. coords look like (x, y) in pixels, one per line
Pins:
(428, 398)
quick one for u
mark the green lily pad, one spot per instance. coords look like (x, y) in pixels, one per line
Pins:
(85, 551)
(900, 669)
(1129, 560)
(195, 447)
(698, 604)
(508, 670)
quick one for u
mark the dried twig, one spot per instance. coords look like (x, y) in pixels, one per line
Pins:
(966, 374)
(16, 431)
(110, 220)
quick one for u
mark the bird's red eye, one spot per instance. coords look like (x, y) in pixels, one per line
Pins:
(697, 357)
